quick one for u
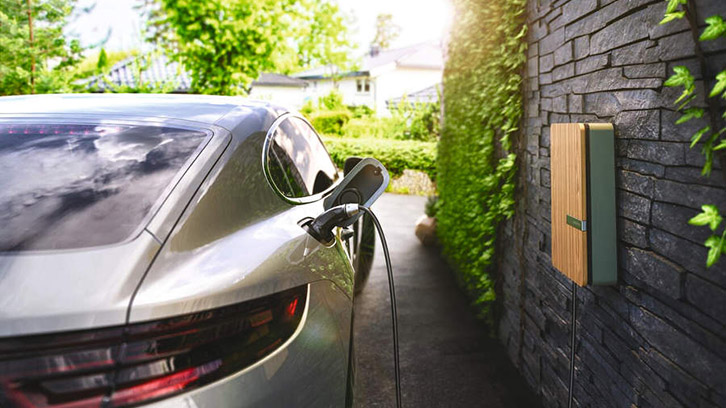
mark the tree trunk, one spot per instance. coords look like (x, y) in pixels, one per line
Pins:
(30, 46)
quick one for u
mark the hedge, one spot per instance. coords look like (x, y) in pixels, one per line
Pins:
(330, 122)
(482, 110)
(396, 155)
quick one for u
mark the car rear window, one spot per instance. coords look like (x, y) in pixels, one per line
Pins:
(68, 186)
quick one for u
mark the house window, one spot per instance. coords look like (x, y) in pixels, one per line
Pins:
(363, 85)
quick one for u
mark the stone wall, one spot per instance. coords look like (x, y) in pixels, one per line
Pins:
(657, 338)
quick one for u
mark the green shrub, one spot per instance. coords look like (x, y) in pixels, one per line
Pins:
(432, 206)
(482, 111)
(333, 101)
(415, 121)
(396, 155)
(361, 111)
(308, 108)
(425, 119)
(366, 127)
(330, 122)
(374, 127)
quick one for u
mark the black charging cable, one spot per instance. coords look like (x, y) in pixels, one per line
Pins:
(321, 228)
(394, 312)
(573, 315)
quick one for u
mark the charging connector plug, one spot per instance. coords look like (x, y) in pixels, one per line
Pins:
(321, 227)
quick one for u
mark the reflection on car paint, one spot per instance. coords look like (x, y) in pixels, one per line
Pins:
(71, 186)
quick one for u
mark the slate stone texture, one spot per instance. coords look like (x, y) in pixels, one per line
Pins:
(657, 338)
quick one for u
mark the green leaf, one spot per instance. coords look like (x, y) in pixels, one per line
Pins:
(681, 77)
(685, 102)
(716, 246)
(689, 114)
(672, 16)
(708, 155)
(697, 136)
(673, 5)
(721, 145)
(709, 216)
(716, 28)
(720, 85)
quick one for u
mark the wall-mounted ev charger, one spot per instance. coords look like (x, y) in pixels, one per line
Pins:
(584, 236)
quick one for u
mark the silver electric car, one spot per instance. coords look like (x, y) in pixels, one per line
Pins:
(150, 254)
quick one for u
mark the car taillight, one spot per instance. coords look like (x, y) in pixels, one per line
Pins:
(139, 363)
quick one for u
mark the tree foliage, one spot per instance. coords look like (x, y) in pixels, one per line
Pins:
(386, 31)
(34, 55)
(226, 44)
(317, 36)
(482, 111)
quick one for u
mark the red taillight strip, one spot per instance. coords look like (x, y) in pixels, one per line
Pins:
(159, 387)
(144, 362)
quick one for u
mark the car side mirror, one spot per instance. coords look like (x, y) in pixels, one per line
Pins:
(362, 185)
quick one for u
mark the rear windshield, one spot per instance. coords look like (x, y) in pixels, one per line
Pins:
(70, 186)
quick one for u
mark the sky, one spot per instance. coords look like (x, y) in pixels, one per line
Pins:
(420, 20)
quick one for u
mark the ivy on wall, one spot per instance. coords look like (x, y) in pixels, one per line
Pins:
(711, 137)
(482, 111)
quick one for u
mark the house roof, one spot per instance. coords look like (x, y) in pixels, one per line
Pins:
(427, 95)
(428, 55)
(270, 79)
(160, 69)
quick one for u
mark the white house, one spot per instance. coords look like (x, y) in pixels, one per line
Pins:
(280, 89)
(383, 76)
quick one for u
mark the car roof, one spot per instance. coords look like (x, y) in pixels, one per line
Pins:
(207, 109)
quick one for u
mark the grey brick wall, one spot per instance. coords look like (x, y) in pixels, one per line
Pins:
(658, 338)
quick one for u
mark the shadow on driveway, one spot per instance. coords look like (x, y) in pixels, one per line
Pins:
(447, 359)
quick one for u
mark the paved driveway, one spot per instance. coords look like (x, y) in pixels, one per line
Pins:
(447, 360)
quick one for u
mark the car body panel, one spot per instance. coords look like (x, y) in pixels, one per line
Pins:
(69, 290)
(309, 370)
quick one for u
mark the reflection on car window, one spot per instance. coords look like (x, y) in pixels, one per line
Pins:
(71, 186)
(298, 162)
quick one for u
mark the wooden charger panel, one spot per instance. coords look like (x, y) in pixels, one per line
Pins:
(568, 175)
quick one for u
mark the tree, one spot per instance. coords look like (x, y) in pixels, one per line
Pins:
(319, 33)
(34, 55)
(386, 31)
(226, 44)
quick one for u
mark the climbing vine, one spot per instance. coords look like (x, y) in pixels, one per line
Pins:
(482, 111)
(711, 136)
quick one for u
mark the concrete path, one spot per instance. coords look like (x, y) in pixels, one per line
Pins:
(447, 359)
